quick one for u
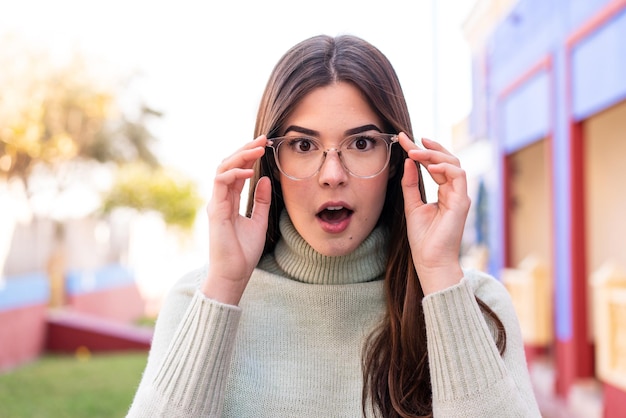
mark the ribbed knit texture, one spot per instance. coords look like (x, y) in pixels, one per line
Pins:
(293, 348)
(186, 362)
(200, 351)
(300, 262)
(468, 375)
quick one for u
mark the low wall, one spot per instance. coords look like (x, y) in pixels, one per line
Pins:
(69, 331)
(23, 310)
(109, 292)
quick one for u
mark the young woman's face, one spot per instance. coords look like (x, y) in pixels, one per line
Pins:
(333, 210)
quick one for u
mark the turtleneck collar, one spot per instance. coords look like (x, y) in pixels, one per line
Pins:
(302, 263)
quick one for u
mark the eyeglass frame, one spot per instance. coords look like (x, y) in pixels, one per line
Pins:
(274, 144)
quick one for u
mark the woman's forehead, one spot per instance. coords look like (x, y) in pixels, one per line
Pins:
(339, 108)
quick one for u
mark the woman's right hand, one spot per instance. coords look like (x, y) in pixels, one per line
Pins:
(235, 241)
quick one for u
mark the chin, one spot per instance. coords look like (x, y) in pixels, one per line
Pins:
(336, 249)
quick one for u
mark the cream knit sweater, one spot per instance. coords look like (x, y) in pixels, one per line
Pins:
(293, 346)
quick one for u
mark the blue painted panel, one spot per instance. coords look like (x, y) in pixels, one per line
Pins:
(561, 202)
(580, 11)
(530, 31)
(87, 281)
(496, 217)
(21, 291)
(599, 69)
(527, 113)
(562, 251)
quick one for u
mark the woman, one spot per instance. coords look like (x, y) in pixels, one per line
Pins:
(340, 293)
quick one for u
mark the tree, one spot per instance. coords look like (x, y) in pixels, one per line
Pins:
(51, 115)
(140, 187)
(60, 120)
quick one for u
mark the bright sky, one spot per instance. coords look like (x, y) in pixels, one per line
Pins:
(205, 63)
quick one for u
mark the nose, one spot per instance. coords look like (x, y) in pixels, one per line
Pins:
(332, 173)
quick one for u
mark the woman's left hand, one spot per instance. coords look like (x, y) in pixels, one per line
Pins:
(435, 229)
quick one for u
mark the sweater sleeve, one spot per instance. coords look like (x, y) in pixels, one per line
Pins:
(190, 355)
(469, 376)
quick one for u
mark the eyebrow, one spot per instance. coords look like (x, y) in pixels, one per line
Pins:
(364, 128)
(311, 132)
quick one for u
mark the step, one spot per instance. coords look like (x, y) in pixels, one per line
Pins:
(68, 331)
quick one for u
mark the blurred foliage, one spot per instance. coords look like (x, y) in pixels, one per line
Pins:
(55, 117)
(140, 187)
(52, 113)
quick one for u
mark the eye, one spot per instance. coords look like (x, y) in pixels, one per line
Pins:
(362, 143)
(302, 145)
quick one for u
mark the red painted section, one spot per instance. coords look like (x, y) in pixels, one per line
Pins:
(534, 352)
(68, 331)
(22, 335)
(596, 22)
(614, 402)
(575, 358)
(565, 362)
(120, 303)
(580, 289)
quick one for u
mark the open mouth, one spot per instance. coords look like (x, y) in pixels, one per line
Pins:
(334, 214)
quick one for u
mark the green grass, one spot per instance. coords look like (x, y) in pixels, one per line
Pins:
(88, 386)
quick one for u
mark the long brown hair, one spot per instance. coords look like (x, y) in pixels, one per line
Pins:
(395, 361)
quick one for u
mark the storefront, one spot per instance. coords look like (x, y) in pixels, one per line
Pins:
(550, 91)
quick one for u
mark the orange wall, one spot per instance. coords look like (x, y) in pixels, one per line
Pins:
(530, 206)
(605, 188)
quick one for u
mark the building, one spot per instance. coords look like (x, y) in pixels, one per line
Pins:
(549, 82)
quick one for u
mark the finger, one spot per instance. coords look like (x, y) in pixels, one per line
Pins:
(423, 144)
(246, 156)
(241, 159)
(262, 201)
(449, 174)
(452, 191)
(410, 186)
(407, 143)
(229, 180)
(427, 157)
(431, 153)
(434, 145)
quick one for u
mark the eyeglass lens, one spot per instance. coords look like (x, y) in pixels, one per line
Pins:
(361, 155)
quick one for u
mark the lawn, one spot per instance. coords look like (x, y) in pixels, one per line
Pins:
(79, 386)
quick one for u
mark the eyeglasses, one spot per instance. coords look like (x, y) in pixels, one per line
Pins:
(363, 155)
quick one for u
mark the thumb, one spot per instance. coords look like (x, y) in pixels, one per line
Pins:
(410, 186)
(262, 200)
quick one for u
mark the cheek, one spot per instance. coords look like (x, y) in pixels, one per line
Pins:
(380, 198)
(381, 186)
(294, 193)
(376, 194)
